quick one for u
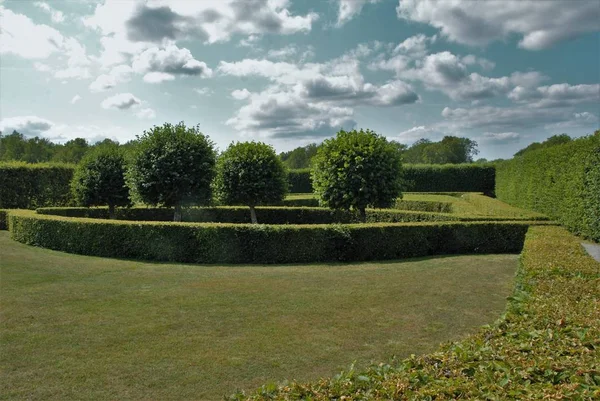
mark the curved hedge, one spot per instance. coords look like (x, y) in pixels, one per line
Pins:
(425, 178)
(562, 182)
(238, 214)
(545, 347)
(248, 243)
(28, 186)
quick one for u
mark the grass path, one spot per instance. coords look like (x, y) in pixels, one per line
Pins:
(85, 328)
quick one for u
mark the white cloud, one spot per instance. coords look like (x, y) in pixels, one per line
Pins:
(118, 74)
(417, 132)
(348, 9)
(500, 137)
(240, 94)
(540, 23)
(158, 77)
(204, 91)
(56, 15)
(283, 53)
(146, 114)
(121, 101)
(27, 125)
(557, 95)
(169, 62)
(75, 99)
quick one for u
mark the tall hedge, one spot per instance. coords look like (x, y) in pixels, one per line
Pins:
(29, 186)
(425, 178)
(562, 182)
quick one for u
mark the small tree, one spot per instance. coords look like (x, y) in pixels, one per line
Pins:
(356, 170)
(173, 165)
(250, 173)
(99, 179)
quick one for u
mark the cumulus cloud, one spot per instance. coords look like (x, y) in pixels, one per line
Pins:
(118, 74)
(146, 114)
(121, 101)
(540, 24)
(158, 77)
(27, 125)
(204, 91)
(557, 95)
(240, 94)
(348, 9)
(75, 99)
(418, 132)
(170, 60)
(56, 15)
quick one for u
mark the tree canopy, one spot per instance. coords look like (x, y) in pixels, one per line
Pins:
(356, 170)
(552, 141)
(250, 173)
(450, 149)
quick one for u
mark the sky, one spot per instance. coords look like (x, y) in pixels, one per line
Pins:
(293, 72)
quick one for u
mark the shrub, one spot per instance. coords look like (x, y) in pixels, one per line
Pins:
(544, 347)
(561, 181)
(300, 181)
(173, 165)
(99, 179)
(356, 170)
(29, 186)
(251, 243)
(250, 173)
(3, 219)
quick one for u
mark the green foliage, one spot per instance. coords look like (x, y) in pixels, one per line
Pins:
(450, 149)
(251, 243)
(99, 179)
(356, 170)
(300, 181)
(560, 181)
(29, 186)
(546, 346)
(173, 165)
(3, 219)
(552, 141)
(250, 173)
(425, 178)
(300, 157)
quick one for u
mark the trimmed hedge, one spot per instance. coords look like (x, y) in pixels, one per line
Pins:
(248, 243)
(425, 206)
(425, 178)
(29, 186)
(3, 219)
(545, 347)
(241, 215)
(562, 181)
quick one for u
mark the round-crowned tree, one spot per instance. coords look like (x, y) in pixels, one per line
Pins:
(173, 165)
(356, 170)
(250, 173)
(99, 179)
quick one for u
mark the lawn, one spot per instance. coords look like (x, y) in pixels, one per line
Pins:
(85, 328)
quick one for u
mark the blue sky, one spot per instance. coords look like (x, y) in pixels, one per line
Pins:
(291, 72)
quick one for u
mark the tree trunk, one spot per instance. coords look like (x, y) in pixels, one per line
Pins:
(253, 215)
(363, 214)
(111, 212)
(177, 214)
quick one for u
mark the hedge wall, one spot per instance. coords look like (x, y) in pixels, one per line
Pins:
(28, 186)
(562, 182)
(265, 215)
(425, 178)
(247, 243)
(3, 219)
(545, 347)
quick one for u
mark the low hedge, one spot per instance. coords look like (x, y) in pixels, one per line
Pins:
(424, 206)
(425, 178)
(562, 182)
(266, 215)
(3, 219)
(28, 186)
(247, 243)
(545, 347)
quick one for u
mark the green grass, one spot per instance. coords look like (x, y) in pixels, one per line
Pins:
(85, 328)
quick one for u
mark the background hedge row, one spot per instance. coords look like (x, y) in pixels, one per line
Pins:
(562, 182)
(241, 215)
(28, 186)
(425, 178)
(248, 243)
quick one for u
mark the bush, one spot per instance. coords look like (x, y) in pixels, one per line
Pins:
(425, 206)
(561, 181)
(29, 186)
(99, 179)
(3, 219)
(173, 165)
(251, 243)
(250, 173)
(544, 347)
(425, 178)
(356, 170)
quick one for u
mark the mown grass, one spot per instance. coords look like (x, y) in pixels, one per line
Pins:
(85, 328)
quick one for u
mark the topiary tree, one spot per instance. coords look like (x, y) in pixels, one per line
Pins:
(356, 170)
(250, 173)
(173, 165)
(99, 179)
